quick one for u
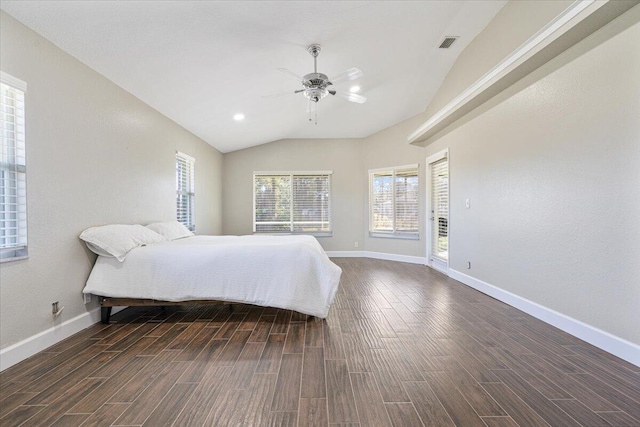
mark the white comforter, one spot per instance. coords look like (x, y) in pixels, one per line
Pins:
(290, 272)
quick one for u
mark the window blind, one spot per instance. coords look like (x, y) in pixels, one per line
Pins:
(393, 201)
(440, 208)
(13, 173)
(292, 203)
(185, 190)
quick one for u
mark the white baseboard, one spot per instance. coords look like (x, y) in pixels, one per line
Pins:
(378, 255)
(346, 254)
(610, 343)
(24, 349)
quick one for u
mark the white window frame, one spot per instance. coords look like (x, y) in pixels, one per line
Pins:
(20, 250)
(291, 174)
(392, 234)
(191, 192)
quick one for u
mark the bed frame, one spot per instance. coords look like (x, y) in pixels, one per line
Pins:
(107, 303)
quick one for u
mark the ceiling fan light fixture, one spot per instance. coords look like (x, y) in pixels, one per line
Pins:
(354, 89)
(238, 117)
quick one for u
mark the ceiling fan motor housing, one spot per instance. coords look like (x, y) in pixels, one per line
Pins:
(316, 86)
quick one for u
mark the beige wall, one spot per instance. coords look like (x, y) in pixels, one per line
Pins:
(389, 148)
(95, 155)
(342, 156)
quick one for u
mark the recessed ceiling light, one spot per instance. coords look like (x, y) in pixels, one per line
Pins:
(354, 89)
(238, 117)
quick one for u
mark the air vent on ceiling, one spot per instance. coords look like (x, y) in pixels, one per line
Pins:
(447, 42)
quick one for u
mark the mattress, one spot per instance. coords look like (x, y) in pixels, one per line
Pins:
(289, 272)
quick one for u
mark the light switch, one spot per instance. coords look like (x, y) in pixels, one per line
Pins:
(467, 203)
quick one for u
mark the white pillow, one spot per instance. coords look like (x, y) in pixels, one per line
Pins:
(117, 240)
(171, 230)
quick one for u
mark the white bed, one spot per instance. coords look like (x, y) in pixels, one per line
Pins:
(289, 272)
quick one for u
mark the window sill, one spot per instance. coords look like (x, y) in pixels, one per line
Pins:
(15, 258)
(402, 236)
(321, 234)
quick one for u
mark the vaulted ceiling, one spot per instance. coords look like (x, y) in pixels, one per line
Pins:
(200, 63)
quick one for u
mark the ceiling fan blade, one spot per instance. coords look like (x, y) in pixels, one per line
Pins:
(353, 97)
(276, 95)
(350, 74)
(290, 74)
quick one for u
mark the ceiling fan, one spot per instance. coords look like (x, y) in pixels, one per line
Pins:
(317, 85)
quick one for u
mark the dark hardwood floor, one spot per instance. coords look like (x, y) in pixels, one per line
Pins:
(403, 346)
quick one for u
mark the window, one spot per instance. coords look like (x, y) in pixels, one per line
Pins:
(393, 202)
(13, 170)
(185, 190)
(286, 202)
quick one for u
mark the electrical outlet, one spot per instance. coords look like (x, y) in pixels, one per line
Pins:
(56, 309)
(467, 203)
(87, 298)
(468, 265)
(356, 244)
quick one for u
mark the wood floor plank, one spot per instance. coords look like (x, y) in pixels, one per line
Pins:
(19, 415)
(147, 375)
(272, 354)
(262, 329)
(478, 398)
(313, 337)
(56, 409)
(196, 411)
(94, 400)
(281, 322)
(183, 340)
(245, 367)
(231, 325)
(499, 422)
(403, 414)
(232, 350)
(68, 420)
(332, 338)
(313, 412)
(206, 358)
(52, 392)
(169, 408)
(514, 405)
(429, 408)
(250, 322)
(13, 401)
(340, 399)
(295, 338)
(618, 418)
(371, 410)
(259, 398)
(287, 391)
(162, 342)
(313, 375)
(543, 406)
(580, 413)
(105, 415)
(149, 399)
(583, 393)
(195, 347)
(610, 393)
(453, 401)
(56, 373)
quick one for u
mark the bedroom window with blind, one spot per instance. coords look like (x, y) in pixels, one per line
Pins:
(393, 202)
(185, 190)
(13, 170)
(292, 203)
